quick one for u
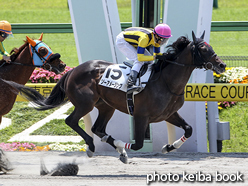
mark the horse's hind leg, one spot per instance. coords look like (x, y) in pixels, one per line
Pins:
(72, 121)
(178, 121)
(105, 113)
(99, 127)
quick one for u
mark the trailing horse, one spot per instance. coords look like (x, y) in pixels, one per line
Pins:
(33, 53)
(159, 101)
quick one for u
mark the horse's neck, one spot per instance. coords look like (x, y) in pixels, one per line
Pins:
(18, 73)
(175, 76)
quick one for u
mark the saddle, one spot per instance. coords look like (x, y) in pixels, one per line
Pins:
(116, 76)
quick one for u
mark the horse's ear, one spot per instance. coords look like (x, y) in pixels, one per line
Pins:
(31, 41)
(41, 36)
(203, 34)
(193, 36)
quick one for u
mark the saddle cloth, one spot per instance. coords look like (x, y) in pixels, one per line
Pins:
(116, 76)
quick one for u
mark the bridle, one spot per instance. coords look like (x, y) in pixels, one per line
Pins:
(197, 58)
(44, 61)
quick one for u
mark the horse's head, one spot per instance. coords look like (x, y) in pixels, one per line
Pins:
(43, 56)
(204, 55)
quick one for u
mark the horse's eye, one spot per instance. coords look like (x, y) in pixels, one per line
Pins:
(203, 48)
(43, 51)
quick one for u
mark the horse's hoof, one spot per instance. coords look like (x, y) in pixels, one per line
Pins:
(167, 148)
(123, 158)
(89, 152)
(104, 138)
(123, 154)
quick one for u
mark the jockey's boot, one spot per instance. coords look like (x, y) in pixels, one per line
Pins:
(131, 87)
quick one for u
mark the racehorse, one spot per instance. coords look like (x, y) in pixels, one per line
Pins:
(33, 53)
(162, 97)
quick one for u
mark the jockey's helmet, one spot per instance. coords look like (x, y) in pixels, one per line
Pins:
(163, 32)
(5, 28)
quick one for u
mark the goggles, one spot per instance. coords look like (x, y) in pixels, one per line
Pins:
(163, 40)
(4, 35)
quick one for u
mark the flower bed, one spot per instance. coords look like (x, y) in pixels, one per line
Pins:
(67, 147)
(233, 75)
(17, 146)
(40, 75)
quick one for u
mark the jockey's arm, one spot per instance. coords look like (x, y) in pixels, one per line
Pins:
(141, 56)
(156, 50)
(141, 50)
(3, 52)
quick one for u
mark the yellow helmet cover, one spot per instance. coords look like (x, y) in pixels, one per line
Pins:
(5, 27)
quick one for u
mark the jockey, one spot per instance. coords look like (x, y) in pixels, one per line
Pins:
(133, 41)
(5, 31)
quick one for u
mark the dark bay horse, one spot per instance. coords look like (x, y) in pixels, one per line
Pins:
(33, 53)
(159, 101)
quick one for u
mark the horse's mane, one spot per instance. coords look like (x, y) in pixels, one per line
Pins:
(16, 51)
(173, 51)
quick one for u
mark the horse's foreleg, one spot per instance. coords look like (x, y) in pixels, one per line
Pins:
(167, 148)
(99, 128)
(140, 125)
(178, 121)
(118, 145)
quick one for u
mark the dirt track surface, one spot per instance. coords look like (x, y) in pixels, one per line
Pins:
(106, 169)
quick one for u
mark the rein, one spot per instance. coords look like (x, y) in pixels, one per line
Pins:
(196, 57)
(16, 63)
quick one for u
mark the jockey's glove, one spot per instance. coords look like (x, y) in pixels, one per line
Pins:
(160, 57)
(7, 59)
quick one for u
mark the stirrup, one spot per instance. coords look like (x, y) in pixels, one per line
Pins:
(133, 88)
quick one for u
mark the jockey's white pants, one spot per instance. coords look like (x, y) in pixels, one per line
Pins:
(130, 52)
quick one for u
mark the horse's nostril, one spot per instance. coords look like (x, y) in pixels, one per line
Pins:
(62, 65)
(222, 65)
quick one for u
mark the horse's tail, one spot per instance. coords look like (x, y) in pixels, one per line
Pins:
(55, 99)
